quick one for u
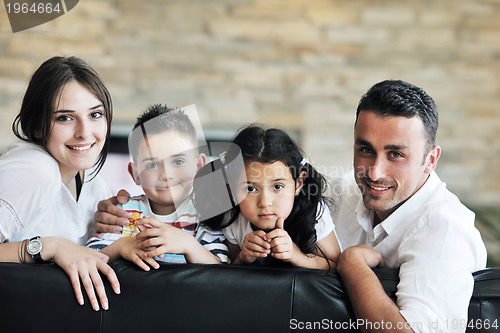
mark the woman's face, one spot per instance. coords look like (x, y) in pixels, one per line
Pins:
(78, 131)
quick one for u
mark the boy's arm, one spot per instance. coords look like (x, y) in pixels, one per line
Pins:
(167, 239)
(214, 242)
(128, 248)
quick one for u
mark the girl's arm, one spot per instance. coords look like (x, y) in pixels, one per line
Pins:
(284, 249)
(79, 262)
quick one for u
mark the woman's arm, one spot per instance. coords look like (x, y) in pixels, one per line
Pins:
(77, 261)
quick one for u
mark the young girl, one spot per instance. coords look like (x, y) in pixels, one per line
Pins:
(47, 194)
(281, 213)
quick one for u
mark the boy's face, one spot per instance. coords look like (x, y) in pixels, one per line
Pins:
(166, 170)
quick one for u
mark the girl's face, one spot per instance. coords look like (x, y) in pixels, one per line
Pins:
(270, 191)
(78, 130)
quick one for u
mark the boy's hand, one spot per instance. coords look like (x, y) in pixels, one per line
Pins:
(161, 238)
(129, 249)
(254, 246)
(110, 218)
(282, 246)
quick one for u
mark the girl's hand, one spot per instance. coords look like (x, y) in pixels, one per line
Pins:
(81, 262)
(163, 238)
(254, 246)
(128, 248)
(281, 244)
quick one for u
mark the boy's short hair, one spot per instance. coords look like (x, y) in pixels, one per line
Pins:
(158, 119)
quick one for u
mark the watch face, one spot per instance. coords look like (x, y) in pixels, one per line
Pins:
(34, 246)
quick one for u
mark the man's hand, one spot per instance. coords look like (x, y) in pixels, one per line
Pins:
(360, 254)
(110, 218)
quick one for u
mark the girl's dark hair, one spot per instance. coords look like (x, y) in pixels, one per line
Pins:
(259, 144)
(34, 121)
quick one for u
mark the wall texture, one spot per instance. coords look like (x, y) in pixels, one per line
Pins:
(298, 64)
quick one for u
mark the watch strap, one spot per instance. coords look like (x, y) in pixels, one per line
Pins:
(37, 256)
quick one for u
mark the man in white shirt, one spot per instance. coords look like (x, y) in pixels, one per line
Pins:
(394, 211)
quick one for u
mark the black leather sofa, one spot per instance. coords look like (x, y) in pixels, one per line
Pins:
(201, 298)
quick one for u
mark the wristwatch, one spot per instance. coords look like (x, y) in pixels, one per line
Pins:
(34, 248)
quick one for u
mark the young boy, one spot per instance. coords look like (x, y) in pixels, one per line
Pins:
(165, 154)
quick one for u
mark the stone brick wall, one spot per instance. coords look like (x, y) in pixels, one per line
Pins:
(298, 64)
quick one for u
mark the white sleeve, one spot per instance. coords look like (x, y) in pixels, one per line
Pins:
(236, 232)
(325, 223)
(436, 280)
(29, 179)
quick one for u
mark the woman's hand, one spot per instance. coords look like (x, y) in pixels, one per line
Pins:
(110, 218)
(81, 262)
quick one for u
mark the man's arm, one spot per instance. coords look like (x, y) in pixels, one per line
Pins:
(368, 298)
(110, 218)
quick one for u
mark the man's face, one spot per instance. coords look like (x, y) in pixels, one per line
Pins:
(389, 160)
(166, 170)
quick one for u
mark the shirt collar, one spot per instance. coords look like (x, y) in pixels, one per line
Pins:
(402, 213)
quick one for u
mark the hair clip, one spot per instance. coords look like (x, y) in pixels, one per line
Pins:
(305, 161)
(222, 157)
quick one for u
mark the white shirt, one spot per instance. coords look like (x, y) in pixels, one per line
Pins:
(35, 202)
(236, 232)
(433, 241)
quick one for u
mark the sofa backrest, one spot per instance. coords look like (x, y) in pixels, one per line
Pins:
(202, 298)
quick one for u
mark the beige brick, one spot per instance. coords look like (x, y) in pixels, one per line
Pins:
(388, 16)
(267, 30)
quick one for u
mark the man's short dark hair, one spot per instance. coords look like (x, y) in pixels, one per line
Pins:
(402, 99)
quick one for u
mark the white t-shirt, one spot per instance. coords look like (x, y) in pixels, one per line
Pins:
(236, 232)
(433, 241)
(35, 202)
